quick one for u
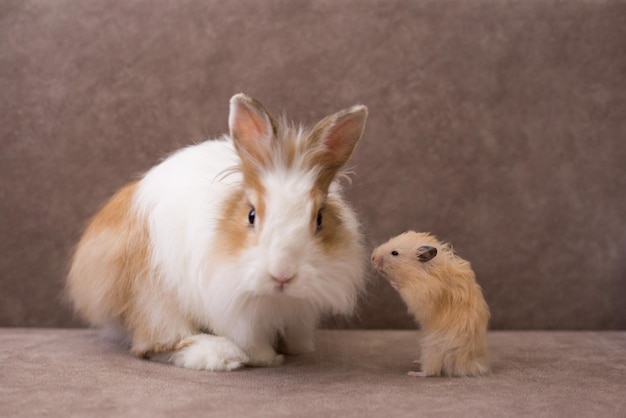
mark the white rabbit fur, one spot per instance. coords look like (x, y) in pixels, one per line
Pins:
(174, 260)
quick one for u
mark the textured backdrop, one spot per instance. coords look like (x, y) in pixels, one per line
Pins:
(498, 125)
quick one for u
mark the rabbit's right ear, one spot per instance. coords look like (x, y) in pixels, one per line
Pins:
(334, 139)
(252, 129)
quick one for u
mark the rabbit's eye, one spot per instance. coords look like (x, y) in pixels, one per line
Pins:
(251, 216)
(319, 220)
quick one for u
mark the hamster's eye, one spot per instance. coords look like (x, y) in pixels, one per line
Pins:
(319, 220)
(251, 216)
(394, 253)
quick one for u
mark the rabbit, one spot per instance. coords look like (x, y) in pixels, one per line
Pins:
(440, 290)
(230, 247)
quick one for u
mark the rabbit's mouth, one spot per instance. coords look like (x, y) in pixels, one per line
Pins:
(281, 283)
(280, 288)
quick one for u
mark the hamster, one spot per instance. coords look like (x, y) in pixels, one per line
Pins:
(440, 291)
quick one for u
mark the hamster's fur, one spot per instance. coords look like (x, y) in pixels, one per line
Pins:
(440, 290)
(228, 247)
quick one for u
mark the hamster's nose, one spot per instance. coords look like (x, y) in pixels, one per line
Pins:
(377, 260)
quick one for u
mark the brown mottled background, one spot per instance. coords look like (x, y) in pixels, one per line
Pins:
(498, 125)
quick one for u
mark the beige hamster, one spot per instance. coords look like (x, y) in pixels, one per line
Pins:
(440, 290)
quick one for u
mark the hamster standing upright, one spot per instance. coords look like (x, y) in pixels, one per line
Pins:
(440, 290)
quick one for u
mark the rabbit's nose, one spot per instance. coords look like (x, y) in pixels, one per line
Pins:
(282, 280)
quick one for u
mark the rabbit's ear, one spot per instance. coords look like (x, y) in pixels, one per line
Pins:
(251, 127)
(334, 139)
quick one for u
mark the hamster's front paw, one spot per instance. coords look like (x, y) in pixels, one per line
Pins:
(208, 352)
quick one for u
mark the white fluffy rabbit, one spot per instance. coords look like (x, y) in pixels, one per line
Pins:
(229, 246)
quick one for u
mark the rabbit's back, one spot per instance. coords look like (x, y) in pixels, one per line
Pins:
(182, 198)
(152, 233)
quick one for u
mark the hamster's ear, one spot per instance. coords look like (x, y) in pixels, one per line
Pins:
(334, 139)
(252, 129)
(426, 253)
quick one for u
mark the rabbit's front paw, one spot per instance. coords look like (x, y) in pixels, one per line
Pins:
(264, 357)
(208, 352)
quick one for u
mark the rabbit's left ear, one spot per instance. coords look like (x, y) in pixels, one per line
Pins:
(251, 127)
(334, 139)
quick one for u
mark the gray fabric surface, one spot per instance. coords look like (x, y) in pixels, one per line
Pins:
(498, 125)
(65, 373)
